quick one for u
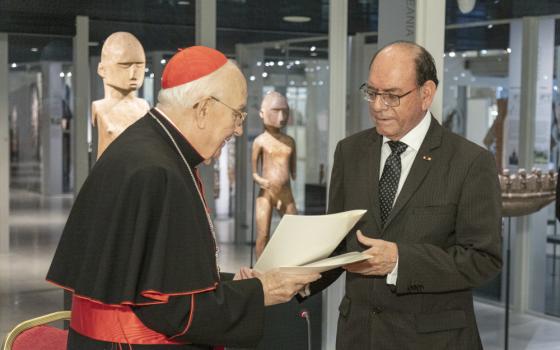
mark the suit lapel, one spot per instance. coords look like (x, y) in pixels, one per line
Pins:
(420, 167)
(373, 157)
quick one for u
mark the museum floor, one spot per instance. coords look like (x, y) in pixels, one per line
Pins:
(36, 223)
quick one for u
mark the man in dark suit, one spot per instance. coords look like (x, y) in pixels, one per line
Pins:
(433, 221)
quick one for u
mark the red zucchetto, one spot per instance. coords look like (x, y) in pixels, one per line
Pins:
(190, 64)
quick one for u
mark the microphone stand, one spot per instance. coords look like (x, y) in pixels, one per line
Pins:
(305, 314)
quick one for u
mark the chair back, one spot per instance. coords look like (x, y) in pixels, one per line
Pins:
(35, 334)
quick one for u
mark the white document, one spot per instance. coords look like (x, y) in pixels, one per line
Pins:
(302, 243)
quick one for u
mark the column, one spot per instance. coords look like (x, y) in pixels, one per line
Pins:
(157, 70)
(250, 58)
(205, 23)
(338, 50)
(80, 122)
(205, 33)
(4, 147)
(421, 21)
(51, 128)
(430, 33)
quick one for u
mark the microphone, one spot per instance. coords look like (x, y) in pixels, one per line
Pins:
(305, 314)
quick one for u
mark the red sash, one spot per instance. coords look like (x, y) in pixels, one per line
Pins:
(113, 323)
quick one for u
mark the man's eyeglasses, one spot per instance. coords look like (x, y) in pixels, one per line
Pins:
(238, 115)
(389, 100)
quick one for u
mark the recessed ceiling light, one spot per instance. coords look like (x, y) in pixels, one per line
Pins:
(34, 49)
(296, 19)
(183, 3)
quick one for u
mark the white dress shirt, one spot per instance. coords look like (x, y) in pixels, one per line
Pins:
(413, 139)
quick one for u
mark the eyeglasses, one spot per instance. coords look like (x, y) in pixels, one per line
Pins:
(389, 100)
(238, 115)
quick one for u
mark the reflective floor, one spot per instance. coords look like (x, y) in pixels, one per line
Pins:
(36, 224)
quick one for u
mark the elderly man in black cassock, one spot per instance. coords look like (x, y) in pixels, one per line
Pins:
(139, 249)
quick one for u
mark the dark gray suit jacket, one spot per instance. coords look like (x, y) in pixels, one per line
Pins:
(446, 222)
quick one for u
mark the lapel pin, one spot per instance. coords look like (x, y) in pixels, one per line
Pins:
(428, 158)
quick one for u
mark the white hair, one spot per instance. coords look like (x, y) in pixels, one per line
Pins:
(186, 95)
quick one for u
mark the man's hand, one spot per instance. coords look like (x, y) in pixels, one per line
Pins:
(384, 257)
(243, 274)
(280, 287)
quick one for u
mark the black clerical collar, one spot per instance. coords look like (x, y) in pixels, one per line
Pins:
(193, 157)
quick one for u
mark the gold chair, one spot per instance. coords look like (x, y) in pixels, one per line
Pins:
(41, 333)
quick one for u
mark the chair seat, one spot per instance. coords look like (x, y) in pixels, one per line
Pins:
(41, 338)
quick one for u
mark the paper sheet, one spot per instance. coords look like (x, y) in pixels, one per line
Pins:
(327, 264)
(300, 240)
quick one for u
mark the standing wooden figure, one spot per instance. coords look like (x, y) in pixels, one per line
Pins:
(277, 151)
(122, 69)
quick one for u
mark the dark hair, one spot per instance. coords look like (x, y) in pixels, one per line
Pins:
(425, 64)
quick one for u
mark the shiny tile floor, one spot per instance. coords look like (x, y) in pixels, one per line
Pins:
(36, 223)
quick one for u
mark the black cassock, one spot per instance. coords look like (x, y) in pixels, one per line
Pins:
(138, 235)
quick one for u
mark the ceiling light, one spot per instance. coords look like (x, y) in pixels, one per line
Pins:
(280, 63)
(297, 62)
(508, 50)
(296, 19)
(259, 63)
(265, 74)
(314, 54)
(163, 61)
(34, 49)
(452, 54)
(466, 6)
(61, 74)
(252, 78)
(151, 75)
(69, 74)
(183, 3)
(484, 52)
(312, 48)
(93, 43)
(490, 26)
(14, 65)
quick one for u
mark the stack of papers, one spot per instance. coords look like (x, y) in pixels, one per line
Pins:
(303, 244)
